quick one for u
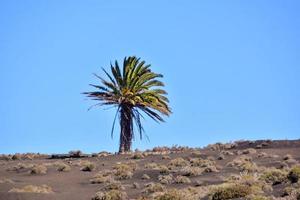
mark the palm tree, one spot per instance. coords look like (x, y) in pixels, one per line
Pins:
(134, 89)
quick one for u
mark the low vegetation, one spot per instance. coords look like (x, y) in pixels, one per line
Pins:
(123, 171)
(62, 167)
(110, 195)
(44, 189)
(230, 191)
(294, 174)
(87, 166)
(153, 187)
(175, 173)
(274, 176)
(38, 169)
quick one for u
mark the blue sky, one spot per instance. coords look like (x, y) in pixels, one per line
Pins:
(231, 68)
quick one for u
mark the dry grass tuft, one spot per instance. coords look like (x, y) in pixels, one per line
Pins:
(153, 187)
(38, 169)
(191, 171)
(189, 193)
(230, 191)
(220, 146)
(113, 185)
(123, 171)
(20, 167)
(110, 195)
(87, 166)
(101, 177)
(294, 174)
(137, 156)
(196, 154)
(182, 179)
(151, 165)
(165, 179)
(16, 156)
(243, 163)
(44, 189)
(62, 167)
(163, 169)
(178, 162)
(170, 195)
(274, 176)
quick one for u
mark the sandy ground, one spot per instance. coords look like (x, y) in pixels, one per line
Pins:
(75, 184)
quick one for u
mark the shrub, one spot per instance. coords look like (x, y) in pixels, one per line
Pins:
(178, 162)
(153, 187)
(110, 195)
(16, 156)
(113, 185)
(87, 166)
(273, 176)
(243, 163)
(123, 171)
(191, 171)
(163, 169)
(170, 195)
(152, 166)
(232, 191)
(182, 179)
(199, 162)
(294, 174)
(20, 167)
(45, 189)
(165, 179)
(196, 154)
(137, 155)
(211, 168)
(132, 164)
(62, 167)
(38, 169)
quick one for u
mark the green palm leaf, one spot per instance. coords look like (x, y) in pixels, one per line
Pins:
(133, 90)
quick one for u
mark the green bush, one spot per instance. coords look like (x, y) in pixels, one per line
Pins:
(294, 174)
(274, 176)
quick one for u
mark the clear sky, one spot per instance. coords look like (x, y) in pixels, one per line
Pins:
(232, 70)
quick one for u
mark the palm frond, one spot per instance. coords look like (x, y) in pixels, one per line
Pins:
(135, 88)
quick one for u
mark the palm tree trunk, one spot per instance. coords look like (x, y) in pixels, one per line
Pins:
(126, 125)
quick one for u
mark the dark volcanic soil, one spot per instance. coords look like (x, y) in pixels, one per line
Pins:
(75, 184)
